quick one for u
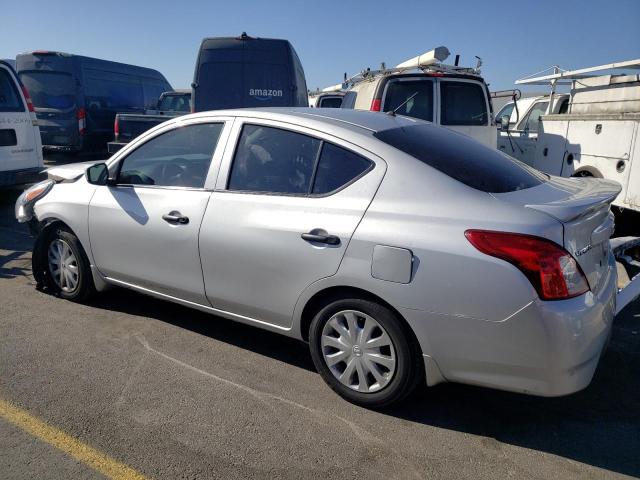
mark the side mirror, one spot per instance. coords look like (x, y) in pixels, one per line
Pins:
(503, 123)
(98, 174)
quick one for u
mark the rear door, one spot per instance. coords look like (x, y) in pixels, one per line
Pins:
(285, 206)
(464, 107)
(18, 146)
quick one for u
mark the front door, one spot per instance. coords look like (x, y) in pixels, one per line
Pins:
(144, 229)
(285, 207)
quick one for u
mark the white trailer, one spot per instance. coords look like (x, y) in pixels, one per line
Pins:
(598, 136)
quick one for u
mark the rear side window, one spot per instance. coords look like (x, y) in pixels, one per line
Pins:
(462, 103)
(10, 100)
(177, 158)
(413, 98)
(337, 167)
(113, 90)
(273, 160)
(462, 158)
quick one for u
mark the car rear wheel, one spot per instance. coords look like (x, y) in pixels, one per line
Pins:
(363, 352)
(65, 266)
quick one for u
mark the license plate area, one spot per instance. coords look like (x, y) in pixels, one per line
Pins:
(8, 138)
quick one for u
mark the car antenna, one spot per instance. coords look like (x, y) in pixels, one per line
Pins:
(393, 112)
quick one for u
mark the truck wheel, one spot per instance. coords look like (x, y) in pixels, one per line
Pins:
(361, 349)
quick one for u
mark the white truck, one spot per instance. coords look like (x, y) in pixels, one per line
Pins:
(597, 134)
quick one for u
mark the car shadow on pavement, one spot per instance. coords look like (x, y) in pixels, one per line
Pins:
(273, 345)
(599, 426)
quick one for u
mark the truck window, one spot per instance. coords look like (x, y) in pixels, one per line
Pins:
(54, 90)
(10, 100)
(533, 117)
(416, 95)
(506, 110)
(462, 158)
(462, 103)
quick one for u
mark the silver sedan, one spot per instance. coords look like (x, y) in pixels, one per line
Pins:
(402, 252)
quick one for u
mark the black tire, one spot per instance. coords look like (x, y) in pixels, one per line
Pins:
(409, 367)
(85, 287)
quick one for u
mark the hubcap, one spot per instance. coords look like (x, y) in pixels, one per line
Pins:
(63, 265)
(358, 351)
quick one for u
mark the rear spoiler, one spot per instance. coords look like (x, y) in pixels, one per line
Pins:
(627, 253)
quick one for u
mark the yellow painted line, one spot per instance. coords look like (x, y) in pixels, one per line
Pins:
(84, 453)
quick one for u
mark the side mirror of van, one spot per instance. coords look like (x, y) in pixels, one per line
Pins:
(98, 174)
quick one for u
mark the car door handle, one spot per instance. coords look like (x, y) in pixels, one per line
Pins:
(175, 218)
(318, 235)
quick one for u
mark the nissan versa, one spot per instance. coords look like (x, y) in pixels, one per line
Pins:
(401, 251)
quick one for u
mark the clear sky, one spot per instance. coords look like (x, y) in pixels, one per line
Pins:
(514, 38)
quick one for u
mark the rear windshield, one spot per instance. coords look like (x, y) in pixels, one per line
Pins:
(10, 100)
(50, 89)
(462, 158)
(175, 103)
(413, 98)
(330, 102)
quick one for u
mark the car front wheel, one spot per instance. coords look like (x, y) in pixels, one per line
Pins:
(363, 351)
(64, 266)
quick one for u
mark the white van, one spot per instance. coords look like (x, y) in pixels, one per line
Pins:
(448, 95)
(20, 145)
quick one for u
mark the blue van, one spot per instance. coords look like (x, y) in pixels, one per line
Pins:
(76, 98)
(237, 72)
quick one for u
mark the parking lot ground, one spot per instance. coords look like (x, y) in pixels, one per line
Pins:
(174, 393)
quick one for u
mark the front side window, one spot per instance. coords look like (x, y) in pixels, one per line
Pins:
(10, 100)
(462, 103)
(413, 98)
(273, 160)
(507, 110)
(177, 158)
(533, 117)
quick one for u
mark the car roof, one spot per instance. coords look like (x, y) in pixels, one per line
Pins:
(361, 120)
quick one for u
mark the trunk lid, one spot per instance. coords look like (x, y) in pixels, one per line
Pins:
(582, 205)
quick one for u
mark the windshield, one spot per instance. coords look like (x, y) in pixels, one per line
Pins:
(50, 89)
(175, 103)
(462, 158)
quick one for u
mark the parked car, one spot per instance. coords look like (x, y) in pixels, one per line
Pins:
(518, 127)
(236, 72)
(20, 148)
(128, 126)
(397, 248)
(76, 98)
(448, 95)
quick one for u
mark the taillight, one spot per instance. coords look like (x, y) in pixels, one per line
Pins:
(552, 270)
(27, 98)
(81, 115)
(375, 105)
(116, 129)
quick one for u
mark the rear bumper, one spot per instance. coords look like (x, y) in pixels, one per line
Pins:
(546, 348)
(22, 176)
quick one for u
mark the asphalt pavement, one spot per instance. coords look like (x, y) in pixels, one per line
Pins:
(170, 392)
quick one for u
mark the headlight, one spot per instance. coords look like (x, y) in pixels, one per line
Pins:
(26, 201)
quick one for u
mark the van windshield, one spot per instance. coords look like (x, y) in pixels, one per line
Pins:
(54, 90)
(462, 158)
